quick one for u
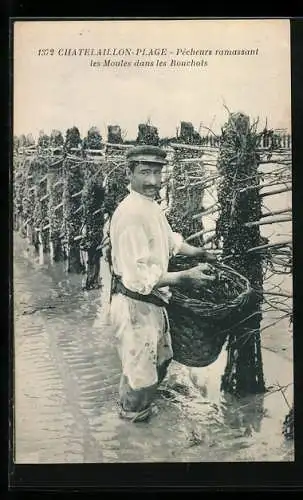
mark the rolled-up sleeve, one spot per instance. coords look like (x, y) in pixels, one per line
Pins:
(140, 271)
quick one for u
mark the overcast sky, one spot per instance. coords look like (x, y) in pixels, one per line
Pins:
(63, 91)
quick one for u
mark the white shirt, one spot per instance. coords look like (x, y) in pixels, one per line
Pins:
(142, 243)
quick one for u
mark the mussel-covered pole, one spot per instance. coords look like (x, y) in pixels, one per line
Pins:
(93, 221)
(18, 191)
(116, 189)
(72, 192)
(38, 232)
(237, 165)
(288, 424)
(55, 207)
(185, 199)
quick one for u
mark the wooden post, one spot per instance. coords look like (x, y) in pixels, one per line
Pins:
(244, 369)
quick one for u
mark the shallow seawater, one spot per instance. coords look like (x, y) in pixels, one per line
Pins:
(66, 381)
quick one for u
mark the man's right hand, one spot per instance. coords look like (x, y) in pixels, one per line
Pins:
(202, 272)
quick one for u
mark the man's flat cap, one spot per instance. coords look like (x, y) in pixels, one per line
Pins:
(146, 153)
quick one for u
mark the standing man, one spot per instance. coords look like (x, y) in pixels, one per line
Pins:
(142, 242)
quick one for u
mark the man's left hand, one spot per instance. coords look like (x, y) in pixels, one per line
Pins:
(211, 258)
(207, 256)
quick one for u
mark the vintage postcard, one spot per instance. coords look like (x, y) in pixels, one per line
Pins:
(152, 241)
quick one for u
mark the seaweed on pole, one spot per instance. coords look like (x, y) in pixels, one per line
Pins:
(237, 165)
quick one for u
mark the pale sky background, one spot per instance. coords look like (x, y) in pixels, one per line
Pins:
(60, 92)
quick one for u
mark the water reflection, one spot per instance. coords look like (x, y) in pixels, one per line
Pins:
(243, 415)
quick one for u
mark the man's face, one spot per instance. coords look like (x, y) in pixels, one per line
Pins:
(146, 179)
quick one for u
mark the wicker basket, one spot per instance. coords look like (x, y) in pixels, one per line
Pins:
(199, 324)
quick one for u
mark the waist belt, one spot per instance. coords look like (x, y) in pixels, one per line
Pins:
(118, 287)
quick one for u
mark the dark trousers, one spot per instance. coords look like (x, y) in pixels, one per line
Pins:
(139, 399)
